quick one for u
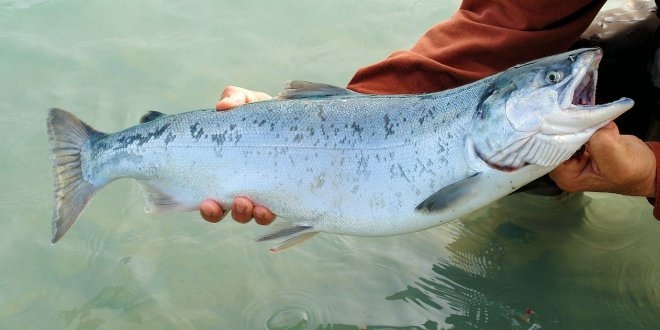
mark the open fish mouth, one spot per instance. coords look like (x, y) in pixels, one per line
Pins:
(578, 109)
(585, 92)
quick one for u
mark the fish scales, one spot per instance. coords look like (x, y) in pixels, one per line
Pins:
(326, 159)
(297, 153)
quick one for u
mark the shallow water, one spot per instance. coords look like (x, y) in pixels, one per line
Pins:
(573, 262)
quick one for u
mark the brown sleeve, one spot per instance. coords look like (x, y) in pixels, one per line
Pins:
(655, 147)
(482, 38)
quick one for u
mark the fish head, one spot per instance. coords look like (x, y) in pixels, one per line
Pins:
(541, 112)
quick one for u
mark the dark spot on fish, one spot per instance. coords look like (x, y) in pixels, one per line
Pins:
(357, 129)
(403, 173)
(232, 126)
(388, 126)
(196, 131)
(169, 138)
(393, 172)
(219, 139)
(319, 181)
(363, 164)
(125, 141)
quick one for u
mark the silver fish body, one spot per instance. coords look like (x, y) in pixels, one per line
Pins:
(329, 160)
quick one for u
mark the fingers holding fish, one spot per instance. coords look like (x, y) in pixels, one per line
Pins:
(233, 96)
(243, 211)
(610, 163)
(211, 211)
(262, 215)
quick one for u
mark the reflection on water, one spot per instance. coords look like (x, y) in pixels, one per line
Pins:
(542, 264)
(571, 262)
(118, 300)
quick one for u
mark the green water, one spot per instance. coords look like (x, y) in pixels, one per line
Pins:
(575, 262)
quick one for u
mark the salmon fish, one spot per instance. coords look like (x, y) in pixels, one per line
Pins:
(326, 159)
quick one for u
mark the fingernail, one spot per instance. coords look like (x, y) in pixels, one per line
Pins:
(240, 209)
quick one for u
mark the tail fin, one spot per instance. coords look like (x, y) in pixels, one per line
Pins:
(68, 136)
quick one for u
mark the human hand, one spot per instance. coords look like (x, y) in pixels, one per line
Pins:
(611, 162)
(242, 210)
(233, 96)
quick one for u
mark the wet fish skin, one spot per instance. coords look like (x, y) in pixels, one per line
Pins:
(326, 159)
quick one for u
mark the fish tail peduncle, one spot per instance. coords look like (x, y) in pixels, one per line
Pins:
(68, 137)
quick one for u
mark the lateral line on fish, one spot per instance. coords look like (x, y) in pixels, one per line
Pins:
(146, 147)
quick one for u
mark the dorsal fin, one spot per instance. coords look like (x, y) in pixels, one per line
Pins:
(298, 89)
(151, 115)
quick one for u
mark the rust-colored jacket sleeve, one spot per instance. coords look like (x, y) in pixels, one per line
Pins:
(655, 147)
(481, 38)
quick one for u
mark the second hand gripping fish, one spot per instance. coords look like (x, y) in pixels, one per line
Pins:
(326, 159)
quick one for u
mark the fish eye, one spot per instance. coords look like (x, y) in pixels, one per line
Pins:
(553, 76)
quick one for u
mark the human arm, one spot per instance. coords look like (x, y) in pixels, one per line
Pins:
(480, 39)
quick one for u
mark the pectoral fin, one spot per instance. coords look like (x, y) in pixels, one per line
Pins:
(448, 195)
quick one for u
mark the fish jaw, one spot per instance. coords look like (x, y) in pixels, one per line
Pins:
(577, 111)
(541, 112)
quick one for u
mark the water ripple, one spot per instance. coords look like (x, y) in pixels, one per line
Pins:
(287, 310)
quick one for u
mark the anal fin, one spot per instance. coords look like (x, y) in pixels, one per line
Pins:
(292, 235)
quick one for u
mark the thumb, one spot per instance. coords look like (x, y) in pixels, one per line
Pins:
(607, 150)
